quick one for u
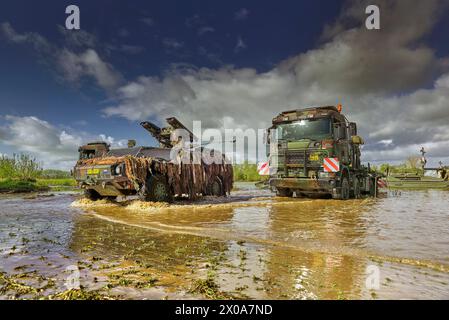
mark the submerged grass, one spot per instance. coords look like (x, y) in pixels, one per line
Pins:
(9, 284)
(209, 289)
(11, 287)
(79, 294)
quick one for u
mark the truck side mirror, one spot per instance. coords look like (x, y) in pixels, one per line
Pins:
(336, 129)
(339, 131)
(353, 128)
(358, 140)
(266, 136)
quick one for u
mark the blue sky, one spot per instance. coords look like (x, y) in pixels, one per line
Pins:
(247, 60)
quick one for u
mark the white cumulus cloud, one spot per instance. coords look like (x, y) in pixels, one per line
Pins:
(55, 147)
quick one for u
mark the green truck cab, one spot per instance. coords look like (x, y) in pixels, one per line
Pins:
(316, 152)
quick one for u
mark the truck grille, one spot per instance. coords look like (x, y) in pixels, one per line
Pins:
(101, 173)
(302, 157)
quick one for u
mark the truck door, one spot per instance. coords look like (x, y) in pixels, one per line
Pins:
(342, 142)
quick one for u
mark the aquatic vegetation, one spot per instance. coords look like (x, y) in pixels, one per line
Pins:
(80, 294)
(10, 285)
(209, 289)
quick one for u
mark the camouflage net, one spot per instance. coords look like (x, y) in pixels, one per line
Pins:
(183, 179)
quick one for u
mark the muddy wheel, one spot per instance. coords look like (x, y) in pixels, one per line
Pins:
(156, 189)
(356, 194)
(345, 189)
(216, 188)
(92, 195)
(299, 194)
(373, 186)
(283, 192)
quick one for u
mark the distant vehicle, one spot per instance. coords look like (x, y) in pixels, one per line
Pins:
(150, 172)
(316, 152)
(418, 179)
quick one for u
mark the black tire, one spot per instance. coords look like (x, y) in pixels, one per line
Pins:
(345, 188)
(356, 193)
(216, 188)
(284, 192)
(300, 195)
(156, 189)
(92, 195)
(373, 186)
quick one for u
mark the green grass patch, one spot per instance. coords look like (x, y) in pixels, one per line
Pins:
(62, 182)
(19, 186)
(22, 173)
(247, 172)
(25, 186)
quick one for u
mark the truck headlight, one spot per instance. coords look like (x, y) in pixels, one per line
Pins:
(326, 174)
(323, 174)
(118, 170)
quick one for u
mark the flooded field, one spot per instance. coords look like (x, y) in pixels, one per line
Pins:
(252, 245)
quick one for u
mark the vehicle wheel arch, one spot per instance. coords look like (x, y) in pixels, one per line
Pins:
(211, 188)
(149, 192)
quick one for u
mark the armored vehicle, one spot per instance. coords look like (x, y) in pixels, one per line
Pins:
(153, 173)
(316, 152)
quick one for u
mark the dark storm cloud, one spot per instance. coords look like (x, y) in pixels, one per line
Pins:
(72, 65)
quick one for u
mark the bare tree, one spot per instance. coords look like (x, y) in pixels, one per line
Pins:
(413, 162)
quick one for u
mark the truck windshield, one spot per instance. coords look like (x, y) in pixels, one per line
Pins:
(304, 129)
(87, 154)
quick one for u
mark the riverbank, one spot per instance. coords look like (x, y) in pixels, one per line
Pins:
(39, 185)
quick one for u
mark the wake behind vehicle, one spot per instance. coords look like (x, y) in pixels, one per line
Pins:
(316, 152)
(152, 173)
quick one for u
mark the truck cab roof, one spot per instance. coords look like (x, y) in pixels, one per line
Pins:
(309, 113)
(141, 152)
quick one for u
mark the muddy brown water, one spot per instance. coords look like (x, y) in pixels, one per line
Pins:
(252, 245)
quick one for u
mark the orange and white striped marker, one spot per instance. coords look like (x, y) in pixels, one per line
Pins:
(263, 168)
(331, 165)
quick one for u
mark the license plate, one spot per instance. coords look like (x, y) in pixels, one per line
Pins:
(314, 157)
(93, 171)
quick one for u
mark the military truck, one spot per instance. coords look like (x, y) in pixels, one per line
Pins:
(153, 173)
(316, 152)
